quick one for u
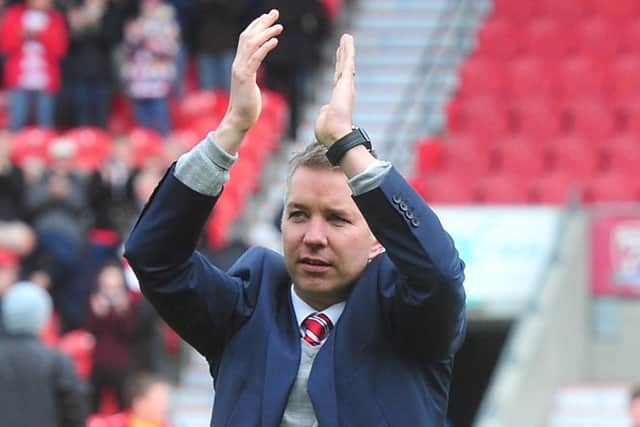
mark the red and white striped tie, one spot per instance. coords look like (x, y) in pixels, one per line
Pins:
(316, 328)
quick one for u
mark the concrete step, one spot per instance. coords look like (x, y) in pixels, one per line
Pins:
(407, 5)
(194, 419)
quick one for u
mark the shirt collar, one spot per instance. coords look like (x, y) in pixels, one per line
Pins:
(303, 310)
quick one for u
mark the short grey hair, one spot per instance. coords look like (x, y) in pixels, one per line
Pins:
(314, 155)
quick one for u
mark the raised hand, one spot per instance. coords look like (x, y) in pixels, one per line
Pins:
(335, 118)
(255, 42)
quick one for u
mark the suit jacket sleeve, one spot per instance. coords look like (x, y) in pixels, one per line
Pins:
(203, 304)
(423, 297)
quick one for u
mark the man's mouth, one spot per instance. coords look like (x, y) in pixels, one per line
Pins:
(315, 262)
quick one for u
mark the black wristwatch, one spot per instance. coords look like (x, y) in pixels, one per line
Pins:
(356, 137)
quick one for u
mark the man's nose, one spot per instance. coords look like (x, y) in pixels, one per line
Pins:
(315, 233)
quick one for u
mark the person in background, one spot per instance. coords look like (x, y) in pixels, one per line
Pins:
(59, 210)
(634, 406)
(12, 184)
(95, 28)
(33, 39)
(112, 323)
(217, 24)
(151, 43)
(39, 386)
(147, 403)
(287, 68)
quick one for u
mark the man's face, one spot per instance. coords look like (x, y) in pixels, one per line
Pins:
(327, 242)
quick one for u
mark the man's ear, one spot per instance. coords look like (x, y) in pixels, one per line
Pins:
(376, 249)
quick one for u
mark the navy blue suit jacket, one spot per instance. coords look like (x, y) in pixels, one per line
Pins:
(387, 362)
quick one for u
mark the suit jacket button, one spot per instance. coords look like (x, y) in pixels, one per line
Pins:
(409, 214)
(396, 198)
(403, 206)
(415, 222)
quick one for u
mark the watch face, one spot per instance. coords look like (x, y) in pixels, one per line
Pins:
(365, 135)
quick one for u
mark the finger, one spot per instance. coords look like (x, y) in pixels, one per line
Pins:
(267, 34)
(266, 20)
(257, 58)
(348, 58)
(271, 17)
(338, 70)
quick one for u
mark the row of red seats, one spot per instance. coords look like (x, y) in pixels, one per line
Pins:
(598, 36)
(566, 78)
(520, 156)
(554, 188)
(590, 118)
(94, 145)
(570, 11)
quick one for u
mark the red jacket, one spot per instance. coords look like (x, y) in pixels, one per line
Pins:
(47, 47)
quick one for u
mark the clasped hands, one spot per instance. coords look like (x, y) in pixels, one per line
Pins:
(245, 102)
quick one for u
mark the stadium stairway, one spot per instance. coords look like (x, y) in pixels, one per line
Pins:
(193, 398)
(395, 40)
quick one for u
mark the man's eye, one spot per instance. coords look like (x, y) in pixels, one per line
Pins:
(338, 220)
(296, 214)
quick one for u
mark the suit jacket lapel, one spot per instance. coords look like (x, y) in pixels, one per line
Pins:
(282, 361)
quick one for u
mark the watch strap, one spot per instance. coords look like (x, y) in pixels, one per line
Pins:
(338, 149)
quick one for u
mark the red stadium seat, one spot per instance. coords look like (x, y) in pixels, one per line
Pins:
(575, 157)
(581, 76)
(591, 119)
(530, 76)
(482, 76)
(630, 37)
(275, 108)
(556, 188)
(466, 159)
(448, 189)
(568, 12)
(519, 157)
(198, 105)
(618, 9)
(623, 156)
(93, 147)
(419, 184)
(624, 75)
(611, 187)
(146, 144)
(484, 117)
(537, 118)
(501, 189)
(498, 39)
(547, 39)
(597, 38)
(629, 115)
(522, 10)
(31, 142)
(187, 138)
(429, 153)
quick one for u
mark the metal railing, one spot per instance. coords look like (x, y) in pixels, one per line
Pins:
(411, 117)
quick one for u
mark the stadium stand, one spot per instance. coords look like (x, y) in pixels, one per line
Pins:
(569, 92)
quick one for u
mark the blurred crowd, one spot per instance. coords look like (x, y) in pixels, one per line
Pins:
(65, 60)
(64, 64)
